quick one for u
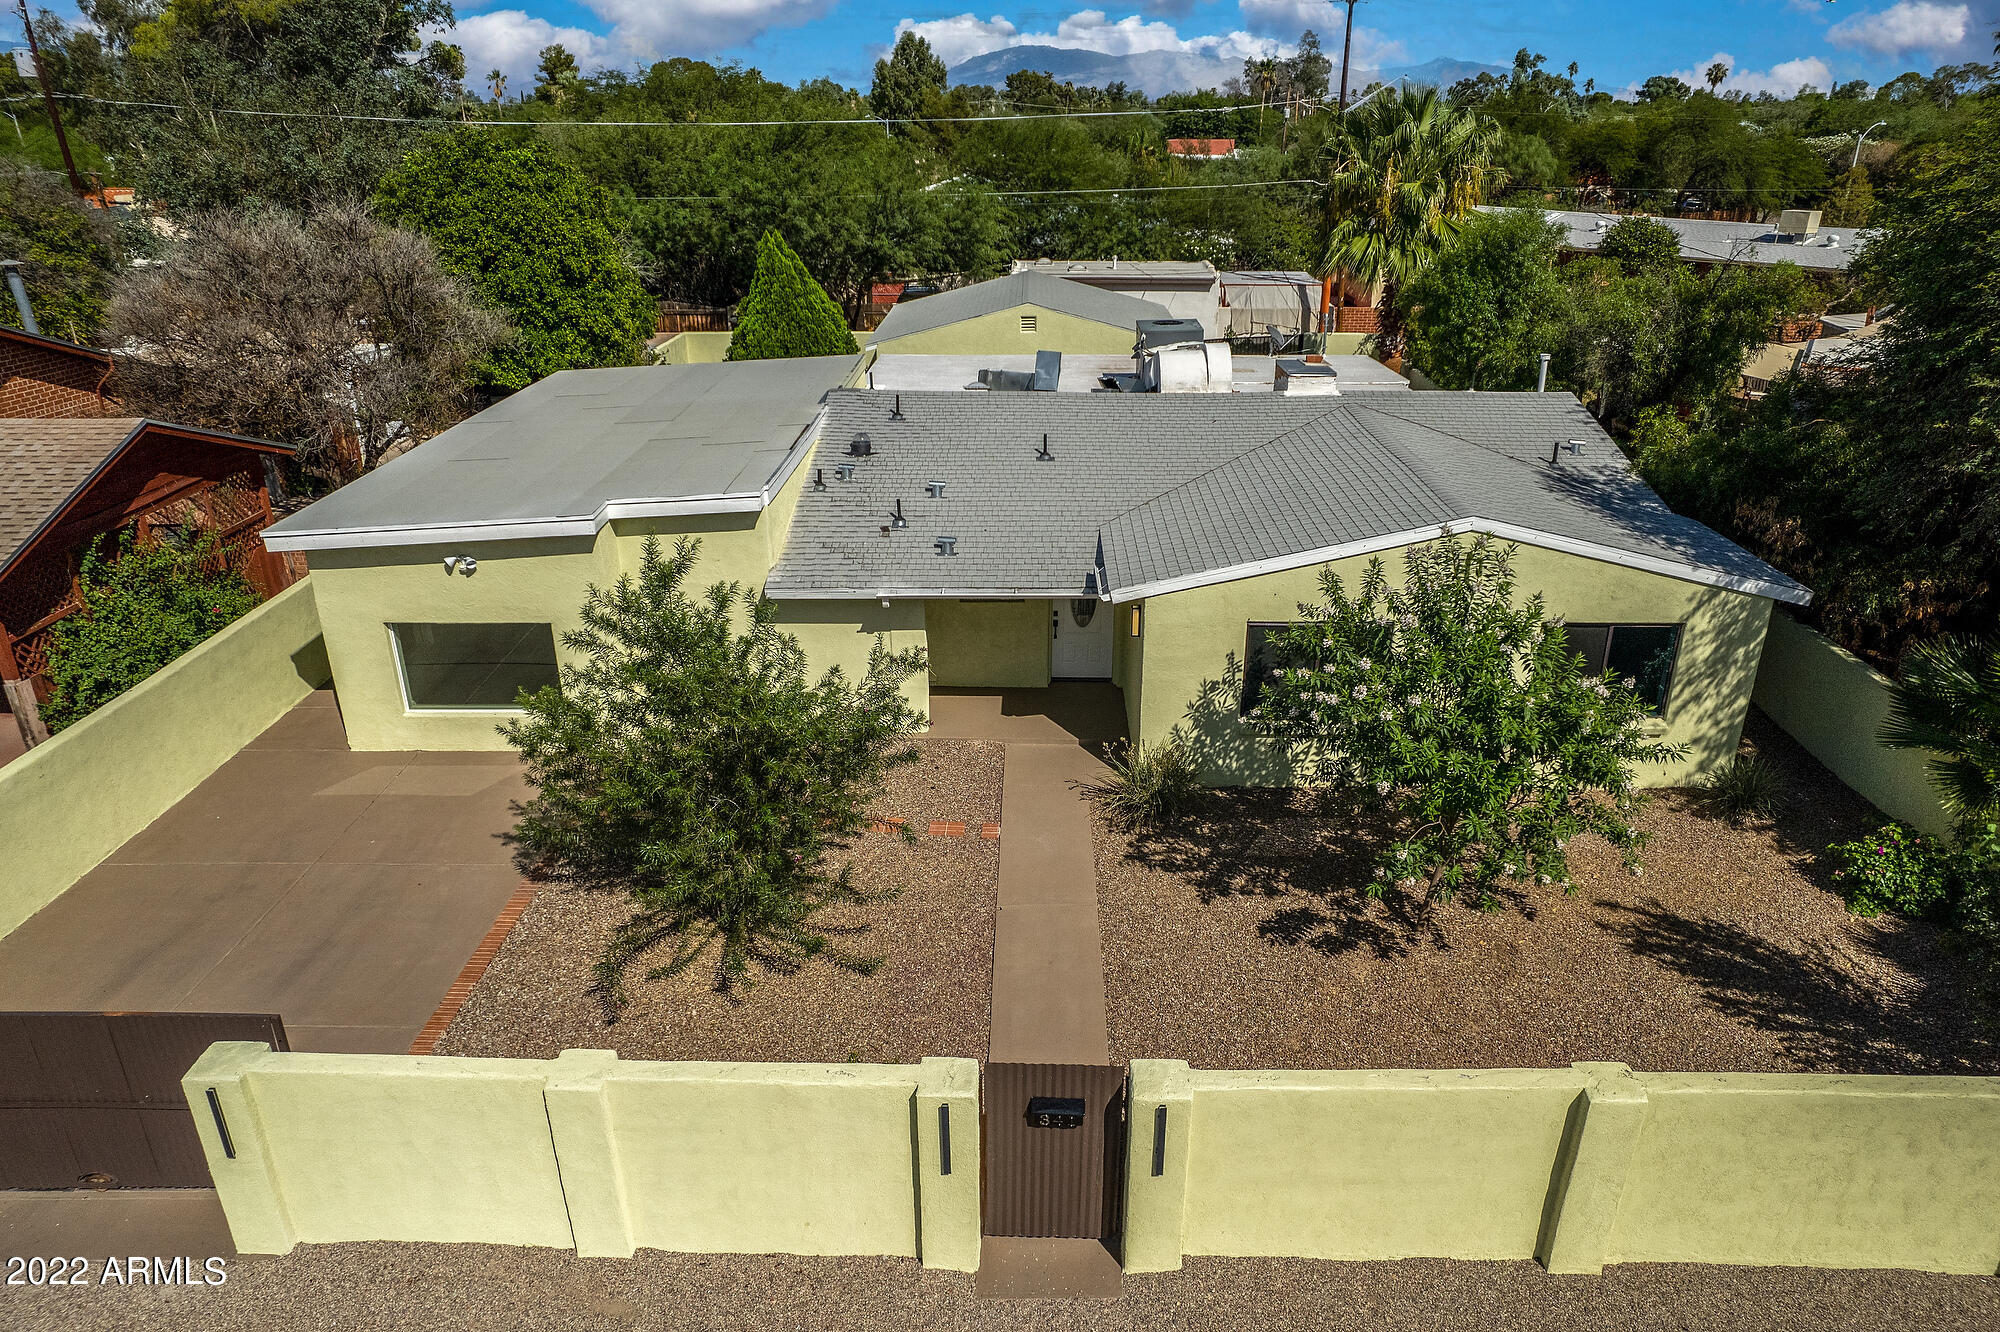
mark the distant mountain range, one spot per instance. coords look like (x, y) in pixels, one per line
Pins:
(1157, 73)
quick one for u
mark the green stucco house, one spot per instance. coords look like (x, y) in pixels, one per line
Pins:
(1024, 313)
(1145, 539)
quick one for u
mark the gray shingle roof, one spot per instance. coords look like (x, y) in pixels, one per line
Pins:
(1028, 288)
(43, 462)
(1157, 487)
(558, 452)
(1706, 241)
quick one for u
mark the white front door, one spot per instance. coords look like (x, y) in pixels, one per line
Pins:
(1080, 648)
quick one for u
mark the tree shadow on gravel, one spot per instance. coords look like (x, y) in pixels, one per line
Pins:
(1826, 1018)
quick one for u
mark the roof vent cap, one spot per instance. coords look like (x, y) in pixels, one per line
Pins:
(934, 489)
(843, 471)
(947, 545)
(860, 447)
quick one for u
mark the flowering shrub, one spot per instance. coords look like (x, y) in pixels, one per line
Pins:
(1469, 716)
(1895, 869)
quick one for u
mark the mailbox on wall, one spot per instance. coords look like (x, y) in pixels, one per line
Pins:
(1060, 1112)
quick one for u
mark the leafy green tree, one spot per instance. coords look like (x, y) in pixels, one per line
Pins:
(1664, 88)
(1408, 171)
(343, 56)
(1481, 315)
(534, 238)
(1852, 203)
(1308, 72)
(556, 75)
(1641, 245)
(688, 762)
(143, 606)
(909, 81)
(1948, 705)
(70, 253)
(1463, 715)
(786, 312)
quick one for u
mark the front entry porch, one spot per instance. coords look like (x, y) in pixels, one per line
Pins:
(1089, 713)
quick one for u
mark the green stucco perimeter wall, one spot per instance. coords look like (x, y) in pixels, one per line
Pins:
(1194, 643)
(73, 800)
(589, 1152)
(1577, 1167)
(1834, 704)
(988, 644)
(999, 334)
(704, 348)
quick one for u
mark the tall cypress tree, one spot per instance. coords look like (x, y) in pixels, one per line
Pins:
(786, 312)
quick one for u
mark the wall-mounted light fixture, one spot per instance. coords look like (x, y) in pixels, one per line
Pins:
(1135, 621)
(461, 564)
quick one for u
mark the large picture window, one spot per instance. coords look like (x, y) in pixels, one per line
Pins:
(477, 666)
(1642, 653)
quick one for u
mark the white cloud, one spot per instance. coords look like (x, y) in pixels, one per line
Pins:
(1905, 26)
(653, 28)
(1780, 80)
(963, 36)
(1289, 18)
(511, 42)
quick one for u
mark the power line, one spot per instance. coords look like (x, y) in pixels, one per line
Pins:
(873, 121)
(1235, 185)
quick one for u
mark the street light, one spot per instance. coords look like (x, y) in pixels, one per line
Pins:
(1863, 139)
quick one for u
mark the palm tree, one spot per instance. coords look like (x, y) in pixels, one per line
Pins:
(1264, 78)
(498, 83)
(1948, 702)
(1408, 170)
(1717, 72)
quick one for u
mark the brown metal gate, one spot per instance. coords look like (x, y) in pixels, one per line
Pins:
(93, 1100)
(1050, 1170)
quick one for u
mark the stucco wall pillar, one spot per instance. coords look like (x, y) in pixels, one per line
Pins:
(246, 1178)
(1159, 1119)
(587, 1152)
(1589, 1180)
(947, 1165)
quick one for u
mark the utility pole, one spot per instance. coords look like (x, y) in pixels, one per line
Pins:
(1346, 49)
(49, 101)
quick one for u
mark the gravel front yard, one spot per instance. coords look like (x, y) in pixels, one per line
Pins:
(930, 997)
(469, 1286)
(1243, 941)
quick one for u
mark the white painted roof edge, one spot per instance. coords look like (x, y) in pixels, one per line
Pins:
(1691, 573)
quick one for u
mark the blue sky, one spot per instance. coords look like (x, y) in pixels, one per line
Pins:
(1771, 43)
(1774, 44)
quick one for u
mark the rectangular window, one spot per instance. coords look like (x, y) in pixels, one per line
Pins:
(1028, 323)
(1259, 661)
(474, 666)
(1643, 653)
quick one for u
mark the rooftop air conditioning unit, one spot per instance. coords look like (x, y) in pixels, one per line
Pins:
(1795, 224)
(1302, 376)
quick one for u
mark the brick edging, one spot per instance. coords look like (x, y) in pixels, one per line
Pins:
(936, 828)
(475, 967)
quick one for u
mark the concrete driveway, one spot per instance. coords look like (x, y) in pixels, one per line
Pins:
(341, 891)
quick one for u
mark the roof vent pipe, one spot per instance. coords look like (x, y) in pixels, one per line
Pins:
(1042, 454)
(934, 489)
(1573, 446)
(819, 478)
(1542, 378)
(20, 290)
(896, 412)
(947, 545)
(896, 519)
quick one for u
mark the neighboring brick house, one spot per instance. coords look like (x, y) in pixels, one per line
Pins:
(43, 377)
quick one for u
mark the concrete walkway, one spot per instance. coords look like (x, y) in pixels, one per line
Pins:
(341, 891)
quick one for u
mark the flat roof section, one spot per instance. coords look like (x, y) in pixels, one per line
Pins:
(566, 455)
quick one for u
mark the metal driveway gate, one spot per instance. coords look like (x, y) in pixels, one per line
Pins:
(93, 1100)
(1055, 1150)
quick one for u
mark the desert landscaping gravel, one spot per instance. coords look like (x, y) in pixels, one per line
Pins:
(1243, 941)
(438, 1288)
(931, 996)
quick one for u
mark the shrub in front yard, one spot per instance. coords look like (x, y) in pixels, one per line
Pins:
(1149, 786)
(142, 607)
(1746, 786)
(1895, 869)
(1465, 715)
(688, 761)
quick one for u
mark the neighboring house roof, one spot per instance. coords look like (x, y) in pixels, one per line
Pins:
(566, 455)
(1159, 274)
(1153, 493)
(1705, 241)
(56, 344)
(1201, 147)
(1267, 277)
(1084, 372)
(985, 298)
(46, 462)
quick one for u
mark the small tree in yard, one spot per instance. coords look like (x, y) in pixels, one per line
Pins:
(688, 761)
(786, 312)
(1463, 715)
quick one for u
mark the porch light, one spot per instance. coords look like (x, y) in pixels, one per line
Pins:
(1135, 620)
